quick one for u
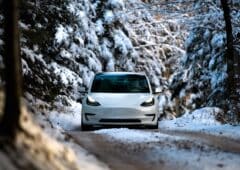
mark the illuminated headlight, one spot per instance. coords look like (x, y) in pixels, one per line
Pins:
(148, 102)
(92, 102)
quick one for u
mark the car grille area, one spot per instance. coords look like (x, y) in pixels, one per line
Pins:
(120, 120)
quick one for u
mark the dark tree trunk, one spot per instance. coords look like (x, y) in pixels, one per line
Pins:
(232, 63)
(10, 121)
(228, 27)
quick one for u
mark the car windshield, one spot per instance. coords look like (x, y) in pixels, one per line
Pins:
(123, 83)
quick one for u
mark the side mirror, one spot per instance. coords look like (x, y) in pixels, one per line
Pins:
(157, 90)
(82, 91)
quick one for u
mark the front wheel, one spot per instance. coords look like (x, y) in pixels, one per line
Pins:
(153, 126)
(86, 127)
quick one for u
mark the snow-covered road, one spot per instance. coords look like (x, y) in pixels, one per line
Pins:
(195, 141)
(140, 149)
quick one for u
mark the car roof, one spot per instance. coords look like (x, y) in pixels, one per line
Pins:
(121, 73)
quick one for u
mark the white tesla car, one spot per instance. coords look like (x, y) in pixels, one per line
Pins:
(120, 98)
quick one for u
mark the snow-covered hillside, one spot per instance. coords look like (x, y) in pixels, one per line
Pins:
(180, 46)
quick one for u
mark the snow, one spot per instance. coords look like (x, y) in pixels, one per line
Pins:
(65, 54)
(155, 144)
(110, 65)
(217, 78)
(132, 136)
(109, 17)
(67, 118)
(207, 34)
(61, 34)
(67, 76)
(226, 130)
(33, 56)
(159, 41)
(106, 53)
(99, 27)
(205, 116)
(25, 67)
(118, 4)
(217, 40)
(84, 158)
(142, 39)
(23, 26)
(94, 64)
(121, 42)
(87, 76)
(62, 119)
(204, 120)
(192, 159)
(195, 153)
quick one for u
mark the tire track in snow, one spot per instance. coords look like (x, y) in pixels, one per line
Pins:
(222, 143)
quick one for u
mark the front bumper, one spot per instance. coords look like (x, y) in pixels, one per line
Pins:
(92, 115)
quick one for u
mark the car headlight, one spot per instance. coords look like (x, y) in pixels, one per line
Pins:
(92, 102)
(148, 102)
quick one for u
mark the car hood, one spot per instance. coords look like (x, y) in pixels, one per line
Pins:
(120, 99)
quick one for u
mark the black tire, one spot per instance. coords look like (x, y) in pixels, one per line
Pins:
(86, 127)
(153, 126)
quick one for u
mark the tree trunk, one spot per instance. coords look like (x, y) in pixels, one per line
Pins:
(12, 110)
(232, 63)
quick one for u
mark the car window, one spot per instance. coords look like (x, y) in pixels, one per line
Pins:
(120, 84)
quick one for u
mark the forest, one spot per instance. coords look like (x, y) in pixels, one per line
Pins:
(51, 49)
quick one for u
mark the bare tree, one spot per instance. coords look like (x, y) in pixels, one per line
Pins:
(11, 118)
(232, 62)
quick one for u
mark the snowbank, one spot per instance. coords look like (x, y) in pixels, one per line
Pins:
(69, 118)
(55, 123)
(204, 116)
(204, 121)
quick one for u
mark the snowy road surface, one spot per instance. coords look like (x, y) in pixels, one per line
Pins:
(195, 141)
(165, 149)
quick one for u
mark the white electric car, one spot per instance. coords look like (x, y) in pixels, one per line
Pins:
(120, 98)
